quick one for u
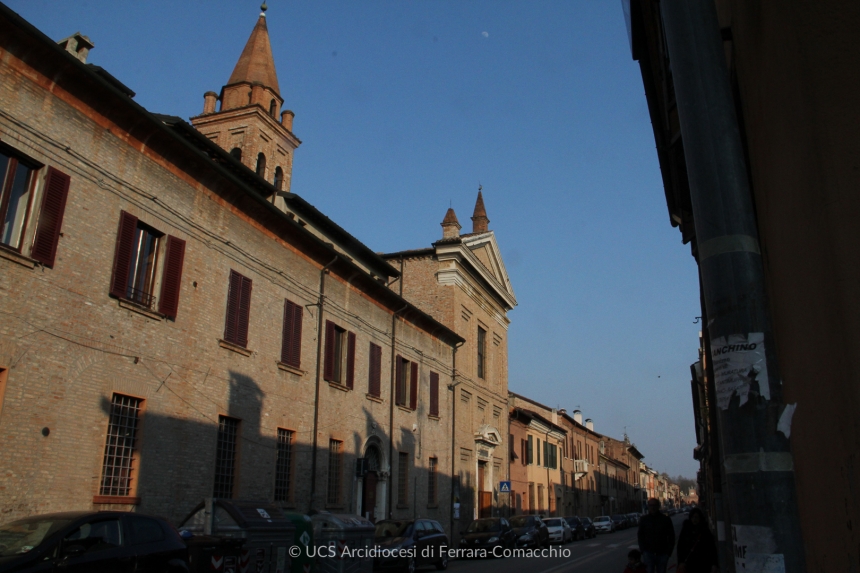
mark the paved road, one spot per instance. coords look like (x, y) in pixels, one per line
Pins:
(607, 553)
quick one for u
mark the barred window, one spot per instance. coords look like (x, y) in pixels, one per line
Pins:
(403, 479)
(431, 482)
(335, 471)
(283, 469)
(225, 457)
(119, 446)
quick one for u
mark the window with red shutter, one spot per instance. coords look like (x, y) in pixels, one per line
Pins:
(122, 254)
(434, 394)
(238, 309)
(413, 387)
(400, 381)
(51, 217)
(16, 188)
(291, 346)
(350, 360)
(374, 383)
(171, 277)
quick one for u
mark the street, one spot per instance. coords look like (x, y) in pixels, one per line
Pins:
(607, 553)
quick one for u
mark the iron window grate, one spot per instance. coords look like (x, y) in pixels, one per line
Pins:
(283, 465)
(335, 463)
(119, 446)
(225, 457)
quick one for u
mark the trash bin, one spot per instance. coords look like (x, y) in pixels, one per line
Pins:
(304, 539)
(266, 535)
(344, 534)
(210, 553)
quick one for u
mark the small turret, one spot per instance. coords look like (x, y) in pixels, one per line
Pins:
(480, 222)
(450, 225)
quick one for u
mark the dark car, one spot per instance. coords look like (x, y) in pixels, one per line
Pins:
(620, 521)
(576, 527)
(488, 533)
(530, 530)
(414, 543)
(92, 542)
(588, 527)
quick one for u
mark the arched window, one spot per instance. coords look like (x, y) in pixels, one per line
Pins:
(261, 165)
(273, 108)
(236, 153)
(279, 178)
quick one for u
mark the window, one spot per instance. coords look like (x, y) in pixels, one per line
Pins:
(374, 375)
(537, 450)
(279, 179)
(96, 536)
(335, 471)
(15, 195)
(238, 309)
(135, 263)
(482, 350)
(51, 217)
(236, 154)
(403, 479)
(525, 452)
(434, 394)
(119, 459)
(540, 498)
(273, 108)
(339, 364)
(406, 383)
(143, 530)
(531, 450)
(291, 346)
(283, 466)
(531, 498)
(225, 457)
(431, 482)
(261, 164)
(550, 456)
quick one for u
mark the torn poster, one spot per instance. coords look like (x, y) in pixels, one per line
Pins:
(739, 360)
(754, 549)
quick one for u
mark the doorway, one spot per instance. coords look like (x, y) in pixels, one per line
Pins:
(485, 498)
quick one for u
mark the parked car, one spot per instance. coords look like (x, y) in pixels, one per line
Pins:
(632, 519)
(620, 521)
(576, 527)
(558, 529)
(424, 537)
(588, 527)
(488, 533)
(81, 542)
(604, 524)
(531, 531)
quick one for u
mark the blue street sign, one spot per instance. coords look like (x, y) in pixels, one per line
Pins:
(504, 487)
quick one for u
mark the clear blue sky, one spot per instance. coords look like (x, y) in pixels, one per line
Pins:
(403, 107)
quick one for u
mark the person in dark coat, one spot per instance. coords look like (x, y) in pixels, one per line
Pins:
(656, 538)
(697, 552)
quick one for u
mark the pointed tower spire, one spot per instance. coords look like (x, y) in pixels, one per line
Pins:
(480, 222)
(256, 64)
(450, 225)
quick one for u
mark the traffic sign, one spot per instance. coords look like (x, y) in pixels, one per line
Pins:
(504, 487)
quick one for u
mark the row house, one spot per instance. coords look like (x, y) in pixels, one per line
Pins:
(536, 465)
(177, 324)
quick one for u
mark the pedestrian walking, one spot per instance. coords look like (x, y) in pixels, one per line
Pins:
(697, 552)
(656, 538)
(634, 562)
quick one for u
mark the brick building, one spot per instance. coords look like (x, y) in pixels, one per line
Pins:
(538, 487)
(461, 281)
(176, 324)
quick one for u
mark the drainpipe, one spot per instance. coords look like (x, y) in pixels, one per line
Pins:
(391, 405)
(452, 387)
(760, 492)
(323, 272)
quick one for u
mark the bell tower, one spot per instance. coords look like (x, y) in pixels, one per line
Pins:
(249, 123)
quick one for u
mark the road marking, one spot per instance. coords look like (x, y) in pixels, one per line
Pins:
(632, 547)
(594, 545)
(613, 545)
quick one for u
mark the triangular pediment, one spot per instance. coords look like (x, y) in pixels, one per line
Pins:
(487, 254)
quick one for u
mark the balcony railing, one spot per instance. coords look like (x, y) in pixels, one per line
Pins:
(140, 297)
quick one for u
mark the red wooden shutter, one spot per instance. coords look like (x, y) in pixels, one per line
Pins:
(172, 278)
(233, 294)
(244, 312)
(292, 336)
(51, 217)
(122, 255)
(398, 381)
(434, 394)
(328, 366)
(350, 360)
(413, 387)
(375, 374)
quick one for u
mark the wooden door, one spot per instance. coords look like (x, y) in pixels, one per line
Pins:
(485, 498)
(368, 496)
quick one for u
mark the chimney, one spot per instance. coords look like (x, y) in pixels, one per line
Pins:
(450, 225)
(209, 100)
(555, 416)
(77, 45)
(480, 222)
(589, 424)
(577, 416)
(287, 119)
